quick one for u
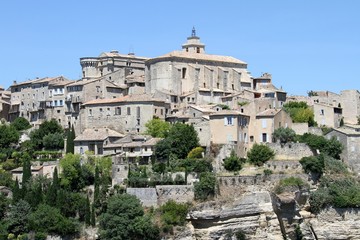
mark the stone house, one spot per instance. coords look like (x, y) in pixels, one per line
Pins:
(5, 97)
(39, 100)
(350, 103)
(83, 91)
(115, 66)
(133, 148)
(94, 140)
(127, 114)
(191, 76)
(266, 123)
(17, 173)
(349, 137)
(327, 115)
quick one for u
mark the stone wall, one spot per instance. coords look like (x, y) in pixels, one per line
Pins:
(316, 131)
(178, 193)
(147, 196)
(283, 165)
(300, 128)
(290, 151)
(237, 185)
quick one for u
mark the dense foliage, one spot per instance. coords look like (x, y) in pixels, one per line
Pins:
(157, 128)
(46, 128)
(233, 162)
(330, 147)
(70, 140)
(21, 123)
(124, 219)
(259, 154)
(300, 112)
(290, 184)
(178, 142)
(206, 187)
(196, 153)
(284, 135)
(173, 213)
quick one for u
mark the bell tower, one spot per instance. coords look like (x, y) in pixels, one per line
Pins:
(193, 44)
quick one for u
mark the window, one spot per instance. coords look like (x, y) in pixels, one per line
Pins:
(98, 89)
(264, 137)
(108, 112)
(128, 111)
(183, 72)
(161, 112)
(197, 50)
(118, 111)
(90, 112)
(263, 123)
(322, 112)
(138, 112)
(61, 103)
(228, 121)
(245, 138)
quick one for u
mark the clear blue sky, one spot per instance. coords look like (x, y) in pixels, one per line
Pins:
(305, 44)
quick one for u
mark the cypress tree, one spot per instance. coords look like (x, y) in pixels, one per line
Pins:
(70, 140)
(52, 193)
(16, 191)
(97, 187)
(92, 219)
(26, 168)
(87, 212)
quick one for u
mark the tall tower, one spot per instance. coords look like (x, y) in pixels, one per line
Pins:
(193, 44)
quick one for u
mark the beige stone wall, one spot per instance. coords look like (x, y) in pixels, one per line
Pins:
(178, 193)
(324, 115)
(221, 131)
(300, 128)
(290, 151)
(350, 103)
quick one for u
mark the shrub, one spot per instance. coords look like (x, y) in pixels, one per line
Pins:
(196, 153)
(259, 154)
(284, 135)
(233, 162)
(173, 213)
(267, 172)
(21, 123)
(290, 184)
(205, 188)
(314, 165)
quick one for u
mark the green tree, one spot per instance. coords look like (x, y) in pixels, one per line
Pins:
(47, 219)
(233, 162)
(196, 153)
(88, 212)
(300, 112)
(71, 175)
(173, 213)
(17, 218)
(205, 188)
(157, 128)
(124, 219)
(178, 142)
(21, 123)
(47, 127)
(51, 196)
(313, 164)
(8, 135)
(53, 141)
(26, 168)
(259, 154)
(92, 217)
(70, 140)
(284, 135)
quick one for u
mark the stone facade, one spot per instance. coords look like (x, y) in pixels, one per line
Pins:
(178, 193)
(147, 196)
(39, 100)
(192, 77)
(290, 151)
(349, 137)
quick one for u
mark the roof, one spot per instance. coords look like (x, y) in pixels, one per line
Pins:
(135, 78)
(128, 98)
(117, 54)
(204, 109)
(33, 169)
(225, 112)
(346, 131)
(268, 113)
(128, 141)
(198, 56)
(43, 80)
(97, 134)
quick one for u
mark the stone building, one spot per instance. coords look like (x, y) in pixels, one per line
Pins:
(39, 100)
(266, 123)
(191, 76)
(4, 103)
(350, 103)
(112, 65)
(127, 114)
(327, 115)
(349, 137)
(95, 140)
(79, 92)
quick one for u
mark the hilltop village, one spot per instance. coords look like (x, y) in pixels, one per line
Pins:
(107, 114)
